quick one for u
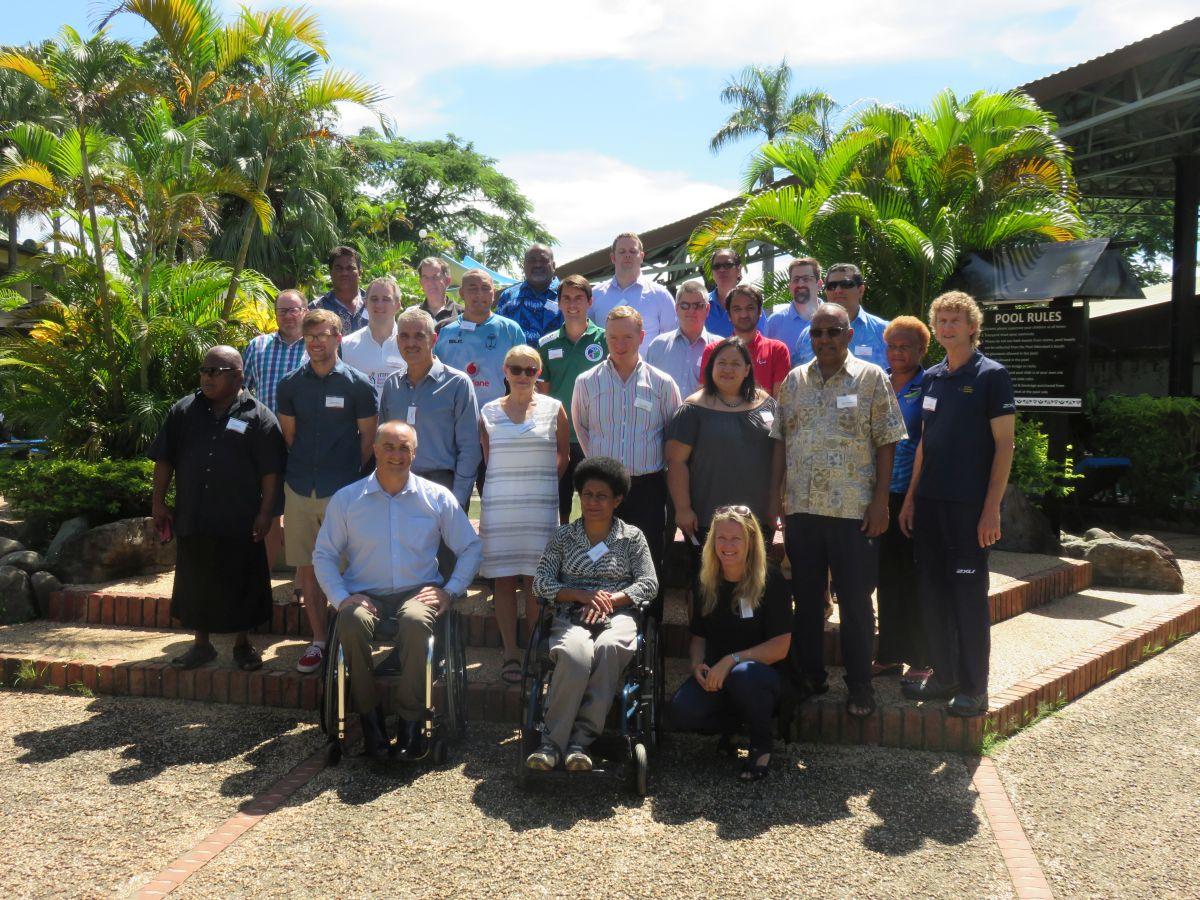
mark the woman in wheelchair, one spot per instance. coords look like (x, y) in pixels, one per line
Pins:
(741, 627)
(595, 571)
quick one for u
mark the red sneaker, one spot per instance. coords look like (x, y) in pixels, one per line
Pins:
(311, 660)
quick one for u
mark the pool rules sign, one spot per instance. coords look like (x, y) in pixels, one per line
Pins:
(1045, 352)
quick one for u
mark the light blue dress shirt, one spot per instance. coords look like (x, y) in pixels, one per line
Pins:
(391, 541)
(786, 324)
(867, 344)
(680, 358)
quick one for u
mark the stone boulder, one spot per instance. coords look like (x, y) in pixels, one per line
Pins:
(66, 531)
(26, 560)
(116, 550)
(1099, 534)
(16, 596)
(1023, 527)
(1159, 547)
(1127, 564)
(44, 584)
(9, 545)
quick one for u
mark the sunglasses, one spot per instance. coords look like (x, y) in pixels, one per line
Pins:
(216, 370)
(684, 305)
(527, 371)
(844, 284)
(738, 510)
(724, 265)
(826, 332)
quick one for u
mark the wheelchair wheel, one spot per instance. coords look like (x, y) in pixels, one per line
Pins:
(335, 699)
(638, 770)
(531, 705)
(456, 677)
(653, 686)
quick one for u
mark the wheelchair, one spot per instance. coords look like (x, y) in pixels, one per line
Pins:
(445, 660)
(634, 728)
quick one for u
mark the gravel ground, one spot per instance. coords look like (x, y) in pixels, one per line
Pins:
(101, 793)
(831, 821)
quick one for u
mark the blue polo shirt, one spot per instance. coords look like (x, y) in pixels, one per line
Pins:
(957, 409)
(535, 311)
(478, 350)
(867, 344)
(785, 324)
(326, 454)
(718, 321)
(909, 398)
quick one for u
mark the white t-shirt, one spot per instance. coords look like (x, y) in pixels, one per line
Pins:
(376, 361)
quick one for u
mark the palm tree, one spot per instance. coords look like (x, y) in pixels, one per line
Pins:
(765, 106)
(908, 195)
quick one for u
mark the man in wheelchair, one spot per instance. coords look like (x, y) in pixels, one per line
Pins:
(386, 528)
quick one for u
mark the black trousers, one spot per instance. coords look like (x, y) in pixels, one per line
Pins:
(566, 485)
(901, 632)
(953, 579)
(646, 508)
(818, 546)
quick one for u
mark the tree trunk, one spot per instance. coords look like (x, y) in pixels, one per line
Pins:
(768, 262)
(14, 246)
(247, 233)
(98, 250)
(176, 223)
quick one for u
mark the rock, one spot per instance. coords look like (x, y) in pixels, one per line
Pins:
(1159, 547)
(26, 560)
(1023, 527)
(16, 597)
(1072, 546)
(1099, 534)
(66, 531)
(116, 550)
(16, 530)
(9, 545)
(1125, 564)
(44, 584)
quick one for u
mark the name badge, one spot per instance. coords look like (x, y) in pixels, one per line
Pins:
(744, 608)
(597, 553)
(556, 353)
(236, 425)
(768, 418)
(551, 306)
(335, 402)
(466, 325)
(863, 350)
(411, 416)
(643, 403)
(929, 403)
(847, 401)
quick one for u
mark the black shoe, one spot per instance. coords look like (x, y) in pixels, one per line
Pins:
(374, 729)
(929, 689)
(196, 656)
(967, 705)
(417, 744)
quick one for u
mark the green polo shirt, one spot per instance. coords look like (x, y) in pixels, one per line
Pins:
(563, 362)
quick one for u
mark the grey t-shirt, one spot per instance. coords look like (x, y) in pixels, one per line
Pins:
(731, 457)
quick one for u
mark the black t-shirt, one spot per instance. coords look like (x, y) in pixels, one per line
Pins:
(725, 631)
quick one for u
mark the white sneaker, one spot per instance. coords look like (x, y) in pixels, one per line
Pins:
(543, 759)
(577, 760)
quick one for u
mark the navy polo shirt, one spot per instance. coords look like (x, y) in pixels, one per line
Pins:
(326, 454)
(957, 409)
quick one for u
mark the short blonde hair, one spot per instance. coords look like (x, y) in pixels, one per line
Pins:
(523, 351)
(958, 301)
(389, 282)
(315, 318)
(625, 312)
(909, 323)
(633, 235)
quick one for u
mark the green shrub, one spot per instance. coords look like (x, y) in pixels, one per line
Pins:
(47, 492)
(1161, 437)
(1033, 470)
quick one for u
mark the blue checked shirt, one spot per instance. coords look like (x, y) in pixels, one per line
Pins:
(351, 321)
(535, 311)
(266, 360)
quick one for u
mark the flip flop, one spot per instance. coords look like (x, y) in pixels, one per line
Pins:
(510, 671)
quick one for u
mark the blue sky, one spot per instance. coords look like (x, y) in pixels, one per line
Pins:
(602, 109)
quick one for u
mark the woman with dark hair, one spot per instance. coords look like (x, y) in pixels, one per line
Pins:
(719, 445)
(594, 571)
(741, 627)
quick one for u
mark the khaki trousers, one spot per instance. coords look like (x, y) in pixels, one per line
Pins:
(356, 627)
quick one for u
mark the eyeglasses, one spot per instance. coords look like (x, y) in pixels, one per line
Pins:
(527, 371)
(826, 332)
(804, 279)
(217, 370)
(289, 310)
(724, 265)
(684, 305)
(321, 336)
(844, 284)
(738, 510)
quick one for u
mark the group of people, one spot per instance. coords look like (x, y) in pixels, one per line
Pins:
(369, 427)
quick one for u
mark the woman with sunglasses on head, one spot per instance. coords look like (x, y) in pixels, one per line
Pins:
(525, 440)
(741, 628)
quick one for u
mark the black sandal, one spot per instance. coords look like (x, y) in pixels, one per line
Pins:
(861, 699)
(196, 656)
(247, 657)
(753, 771)
(510, 671)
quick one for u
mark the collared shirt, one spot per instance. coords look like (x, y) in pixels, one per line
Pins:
(563, 361)
(830, 430)
(867, 344)
(786, 324)
(652, 300)
(449, 311)
(445, 413)
(266, 360)
(352, 320)
(718, 321)
(625, 419)
(957, 445)
(326, 453)
(219, 463)
(478, 349)
(771, 361)
(535, 311)
(625, 565)
(680, 358)
(376, 361)
(909, 398)
(391, 541)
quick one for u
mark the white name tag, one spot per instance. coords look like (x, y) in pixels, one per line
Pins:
(335, 402)
(466, 326)
(597, 553)
(847, 401)
(643, 403)
(863, 350)
(411, 416)
(236, 425)
(744, 608)
(556, 353)
(929, 403)
(551, 306)
(768, 418)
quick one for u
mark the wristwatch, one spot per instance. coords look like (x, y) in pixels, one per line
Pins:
(737, 658)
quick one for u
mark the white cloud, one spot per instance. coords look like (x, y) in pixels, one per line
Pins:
(584, 198)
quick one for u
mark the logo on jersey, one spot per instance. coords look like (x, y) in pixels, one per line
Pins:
(472, 369)
(490, 342)
(593, 352)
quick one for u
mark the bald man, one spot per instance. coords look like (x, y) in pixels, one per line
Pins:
(226, 454)
(388, 526)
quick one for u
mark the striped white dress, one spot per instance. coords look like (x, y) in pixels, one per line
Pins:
(520, 493)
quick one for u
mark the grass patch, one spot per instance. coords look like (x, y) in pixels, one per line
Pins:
(992, 740)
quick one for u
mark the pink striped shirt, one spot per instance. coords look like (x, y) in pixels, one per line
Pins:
(626, 420)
